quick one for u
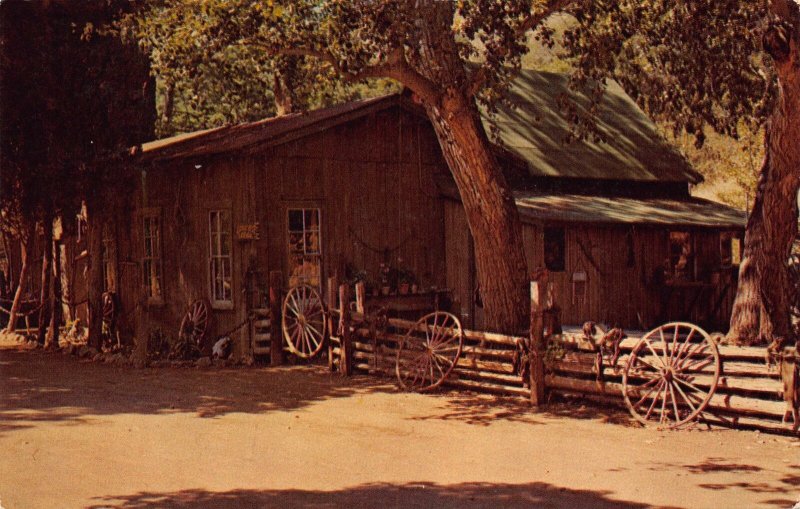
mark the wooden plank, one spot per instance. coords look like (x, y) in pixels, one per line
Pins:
(262, 324)
(726, 403)
(262, 337)
(390, 354)
(727, 352)
(486, 387)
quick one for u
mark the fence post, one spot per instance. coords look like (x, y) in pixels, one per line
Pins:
(333, 287)
(537, 347)
(346, 348)
(361, 294)
(275, 316)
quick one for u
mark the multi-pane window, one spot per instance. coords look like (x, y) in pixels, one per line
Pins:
(554, 249)
(219, 228)
(151, 262)
(305, 247)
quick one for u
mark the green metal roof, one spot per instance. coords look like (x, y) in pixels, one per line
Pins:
(573, 208)
(535, 130)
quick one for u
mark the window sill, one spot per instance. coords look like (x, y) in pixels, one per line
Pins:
(222, 306)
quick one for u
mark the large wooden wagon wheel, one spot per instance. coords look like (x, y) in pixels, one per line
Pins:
(305, 325)
(195, 323)
(671, 375)
(429, 351)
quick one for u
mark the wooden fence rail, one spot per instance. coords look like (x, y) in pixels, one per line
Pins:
(749, 394)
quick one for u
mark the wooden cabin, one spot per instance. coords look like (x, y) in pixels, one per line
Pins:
(338, 191)
(612, 220)
(361, 190)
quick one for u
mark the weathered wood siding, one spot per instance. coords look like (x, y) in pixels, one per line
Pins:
(621, 287)
(371, 178)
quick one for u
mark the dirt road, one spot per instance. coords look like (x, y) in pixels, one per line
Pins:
(76, 434)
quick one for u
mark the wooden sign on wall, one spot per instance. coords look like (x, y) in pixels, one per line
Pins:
(247, 232)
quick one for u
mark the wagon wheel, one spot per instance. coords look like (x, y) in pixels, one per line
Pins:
(195, 323)
(671, 375)
(429, 351)
(305, 325)
(109, 309)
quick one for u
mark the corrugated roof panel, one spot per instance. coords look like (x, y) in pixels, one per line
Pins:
(573, 208)
(535, 130)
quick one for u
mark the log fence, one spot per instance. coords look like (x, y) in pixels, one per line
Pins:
(547, 361)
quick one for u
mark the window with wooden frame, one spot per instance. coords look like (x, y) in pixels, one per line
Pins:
(730, 249)
(220, 260)
(681, 256)
(305, 247)
(152, 277)
(554, 249)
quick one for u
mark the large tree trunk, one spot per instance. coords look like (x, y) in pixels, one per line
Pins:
(51, 341)
(95, 222)
(489, 205)
(491, 213)
(44, 296)
(761, 308)
(25, 244)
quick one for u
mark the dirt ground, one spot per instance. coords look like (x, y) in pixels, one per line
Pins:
(84, 435)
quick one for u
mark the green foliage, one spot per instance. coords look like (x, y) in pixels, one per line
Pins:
(688, 63)
(73, 101)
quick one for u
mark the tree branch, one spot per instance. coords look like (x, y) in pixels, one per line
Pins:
(534, 19)
(395, 67)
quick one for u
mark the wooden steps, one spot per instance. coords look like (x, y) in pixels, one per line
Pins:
(261, 332)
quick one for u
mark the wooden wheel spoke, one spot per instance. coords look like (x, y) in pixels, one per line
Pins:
(690, 385)
(655, 369)
(666, 346)
(655, 400)
(649, 392)
(445, 360)
(684, 346)
(674, 402)
(695, 350)
(647, 342)
(674, 345)
(697, 364)
(685, 397)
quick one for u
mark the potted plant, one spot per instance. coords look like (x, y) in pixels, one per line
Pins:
(405, 280)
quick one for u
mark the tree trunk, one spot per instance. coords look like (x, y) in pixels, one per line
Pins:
(51, 341)
(761, 309)
(25, 243)
(95, 222)
(44, 296)
(489, 205)
(283, 97)
(491, 213)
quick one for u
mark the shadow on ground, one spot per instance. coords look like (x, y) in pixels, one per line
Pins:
(483, 410)
(384, 495)
(39, 386)
(787, 483)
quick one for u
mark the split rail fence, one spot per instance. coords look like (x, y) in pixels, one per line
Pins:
(749, 394)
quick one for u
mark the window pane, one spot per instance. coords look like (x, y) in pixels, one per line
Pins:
(296, 220)
(554, 249)
(225, 221)
(312, 243)
(312, 219)
(225, 244)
